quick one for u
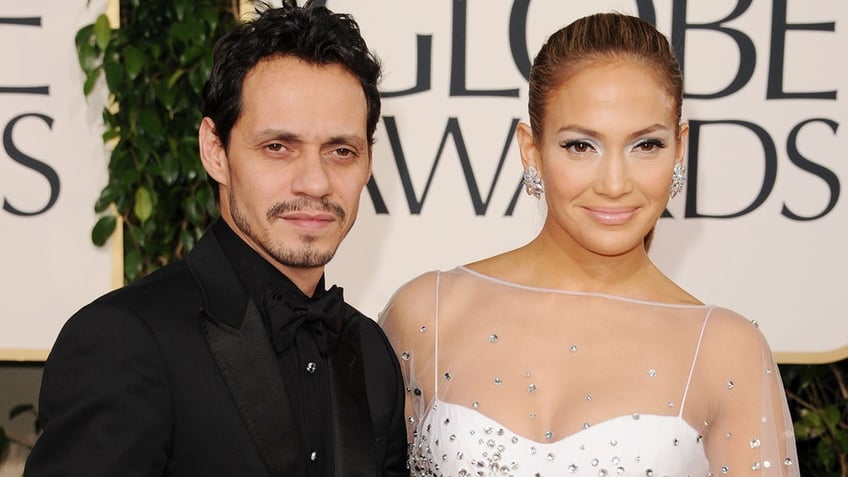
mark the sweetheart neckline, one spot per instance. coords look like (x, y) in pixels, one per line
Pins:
(572, 436)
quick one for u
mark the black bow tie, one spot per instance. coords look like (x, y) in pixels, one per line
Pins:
(322, 316)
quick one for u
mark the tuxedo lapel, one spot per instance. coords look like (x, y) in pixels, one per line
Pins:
(355, 449)
(240, 345)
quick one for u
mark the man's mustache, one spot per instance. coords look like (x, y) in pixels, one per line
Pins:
(306, 203)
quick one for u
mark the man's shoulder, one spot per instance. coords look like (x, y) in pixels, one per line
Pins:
(355, 318)
(174, 279)
(368, 328)
(160, 297)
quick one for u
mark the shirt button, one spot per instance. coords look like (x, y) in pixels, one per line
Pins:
(313, 456)
(310, 368)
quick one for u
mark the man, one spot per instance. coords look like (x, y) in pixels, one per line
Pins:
(237, 361)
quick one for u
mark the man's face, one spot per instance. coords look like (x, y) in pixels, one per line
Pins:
(298, 159)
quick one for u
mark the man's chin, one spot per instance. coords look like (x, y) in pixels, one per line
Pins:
(309, 257)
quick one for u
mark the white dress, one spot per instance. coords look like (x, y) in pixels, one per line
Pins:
(509, 380)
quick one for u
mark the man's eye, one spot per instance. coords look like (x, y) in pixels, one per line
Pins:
(276, 147)
(344, 152)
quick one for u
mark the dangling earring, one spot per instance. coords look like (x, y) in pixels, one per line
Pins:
(532, 182)
(678, 179)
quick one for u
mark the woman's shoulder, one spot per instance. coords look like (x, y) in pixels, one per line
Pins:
(735, 336)
(422, 285)
(413, 300)
(727, 321)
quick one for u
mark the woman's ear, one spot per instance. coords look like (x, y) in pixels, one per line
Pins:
(212, 153)
(682, 139)
(527, 147)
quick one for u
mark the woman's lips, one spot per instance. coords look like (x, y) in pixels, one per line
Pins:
(611, 216)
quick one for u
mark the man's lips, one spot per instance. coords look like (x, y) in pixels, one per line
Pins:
(313, 221)
(610, 215)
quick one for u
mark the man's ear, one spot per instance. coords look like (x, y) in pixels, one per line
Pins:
(212, 153)
(527, 147)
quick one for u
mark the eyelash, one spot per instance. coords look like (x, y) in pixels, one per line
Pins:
(569, 145)
(652, 143)
(344, 152)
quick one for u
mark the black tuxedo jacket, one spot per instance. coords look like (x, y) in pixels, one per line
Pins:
(175, 375)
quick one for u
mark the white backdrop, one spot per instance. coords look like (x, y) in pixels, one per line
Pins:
(785, 273)
(52, 167)
(760, 229)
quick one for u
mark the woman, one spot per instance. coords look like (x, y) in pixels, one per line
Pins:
(574, 354)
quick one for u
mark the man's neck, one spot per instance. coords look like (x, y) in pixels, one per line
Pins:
(304, 278)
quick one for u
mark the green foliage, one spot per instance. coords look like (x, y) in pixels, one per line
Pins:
(154, 66)
(818, 400)
(6, 439)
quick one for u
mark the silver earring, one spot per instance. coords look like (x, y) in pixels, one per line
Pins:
(532, 182)
(678, 179)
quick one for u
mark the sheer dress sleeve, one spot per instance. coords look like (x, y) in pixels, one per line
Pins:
(406, 319)
(751, 431)
(568, 383)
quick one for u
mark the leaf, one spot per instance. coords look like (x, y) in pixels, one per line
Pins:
(114, 75)
(103, 229)
(102, 31)
(83, 36)
(87, 56)
(187, 241)
(831, 415)
(210, 15)
(175, 77)
(170, 169)
(149, 120)
(193, 210)
(110, 134)
(91, 80)
(133, 61)
(4, 440)
(107, 197)
(132, 264)
(20, 409)
(143, 204)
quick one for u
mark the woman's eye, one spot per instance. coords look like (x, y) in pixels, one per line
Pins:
(650, 145)
(579, 147)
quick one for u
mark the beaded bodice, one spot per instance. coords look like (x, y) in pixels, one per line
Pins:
(505, 379)
(455, 440)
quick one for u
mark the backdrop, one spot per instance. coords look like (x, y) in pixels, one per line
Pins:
(760, 228)
(52, 167)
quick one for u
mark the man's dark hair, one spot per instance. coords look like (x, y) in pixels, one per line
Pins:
(310, 33)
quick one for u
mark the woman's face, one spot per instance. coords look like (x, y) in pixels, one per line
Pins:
(608, 144)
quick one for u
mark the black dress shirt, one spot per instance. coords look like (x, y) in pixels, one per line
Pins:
(304, 369)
